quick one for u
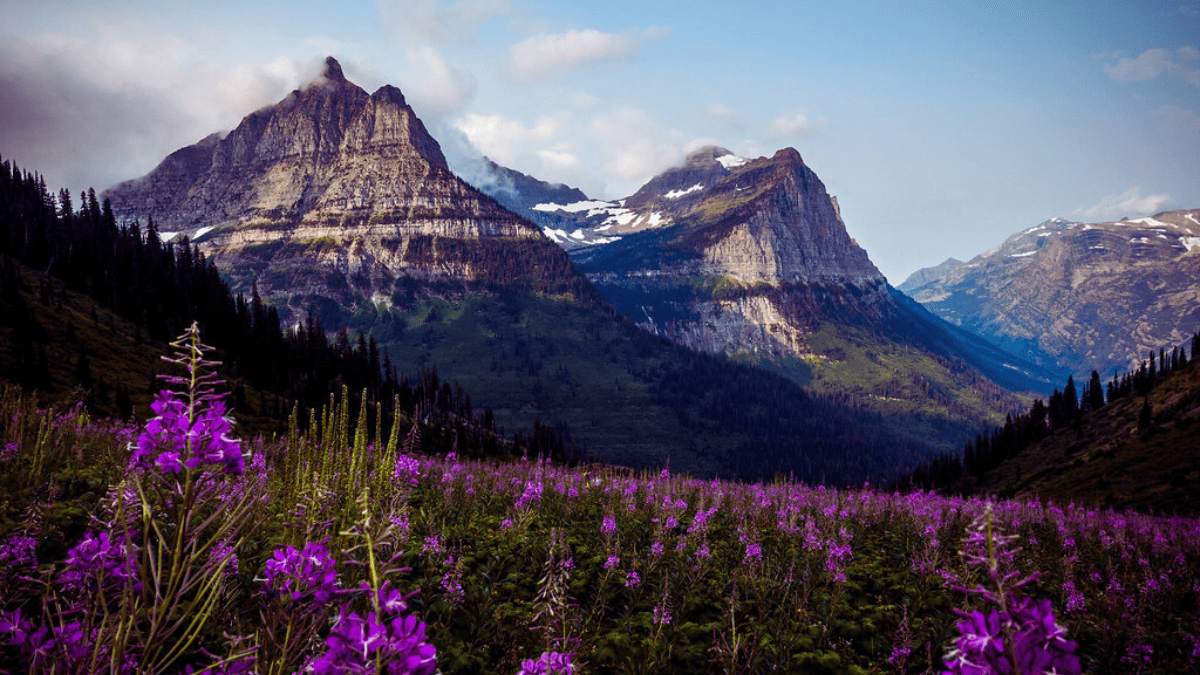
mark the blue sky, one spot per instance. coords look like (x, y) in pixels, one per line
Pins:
(942, 127)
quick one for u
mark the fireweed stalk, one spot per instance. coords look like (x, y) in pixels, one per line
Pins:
(1013, 635)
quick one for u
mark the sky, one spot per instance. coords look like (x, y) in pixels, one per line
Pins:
(942, 127)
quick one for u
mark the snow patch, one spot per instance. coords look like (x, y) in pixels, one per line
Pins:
(1022, 255)
(655, 220)
(676, 194)
(574, 208)
(1146, 221)
(731, 161)
(577, 234)
(1140, 240)
(167, 236)
(620, 217)
(201, 232)
(1190, 242)
(1191, 218)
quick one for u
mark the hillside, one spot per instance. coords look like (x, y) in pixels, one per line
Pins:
(1117, 456)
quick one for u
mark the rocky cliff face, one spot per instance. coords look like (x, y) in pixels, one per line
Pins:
(331, 192)
(1080, 296)
(755, 261)
(760, 237)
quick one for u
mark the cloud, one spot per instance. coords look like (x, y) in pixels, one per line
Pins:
(636, 148)
(544, 55)
(1129, 203)
(431, 21)
(432, 85)
(1154, 63)
(92, 112)
(793, 126)
(504, 139)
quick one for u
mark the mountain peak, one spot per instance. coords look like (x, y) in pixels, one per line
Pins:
(332, 71)
(707, 155)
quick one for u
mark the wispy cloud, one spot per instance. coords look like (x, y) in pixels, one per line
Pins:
(432, 84)
(431, 21)
(1154, 63)
(544, 55)
(504, 139)
(793, 126)
(92, 112)
(1129, 203)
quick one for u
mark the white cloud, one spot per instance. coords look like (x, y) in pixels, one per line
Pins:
(543, 55)
(558, 157)
(437, 22)
(504, 139)
(1154, 63)
(92, 112)
(636, 148)
(1129, 203)
(788, 125)
(431, 85)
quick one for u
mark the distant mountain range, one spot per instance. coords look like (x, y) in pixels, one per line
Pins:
(1077, 296)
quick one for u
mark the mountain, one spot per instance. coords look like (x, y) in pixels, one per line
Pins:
(1077, 296)
(334, 193)
(751, 258)
(340, 204)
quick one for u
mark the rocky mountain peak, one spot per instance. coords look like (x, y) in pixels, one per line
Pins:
(332, 72)
(706, 155)
(329, 179)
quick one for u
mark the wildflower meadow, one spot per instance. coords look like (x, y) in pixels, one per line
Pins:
(173, 546)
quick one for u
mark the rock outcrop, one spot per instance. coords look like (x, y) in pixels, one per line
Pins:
(1080, 296)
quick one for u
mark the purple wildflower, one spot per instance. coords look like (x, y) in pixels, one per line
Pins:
(632, 579)
(305, 576)
(609, 527)
(549, 663)
(100, 562)
(14, 628)
(612, 562)
(360, 645)
(178, 438)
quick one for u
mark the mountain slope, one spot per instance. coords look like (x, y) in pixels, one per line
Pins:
(1077, 296)
(1141, 451)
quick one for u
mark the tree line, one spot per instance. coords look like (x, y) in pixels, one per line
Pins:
(1065, 409)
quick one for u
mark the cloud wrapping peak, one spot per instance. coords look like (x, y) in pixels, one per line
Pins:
(544, 55)
(1129, 203)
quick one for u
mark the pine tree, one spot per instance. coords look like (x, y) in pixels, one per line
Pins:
(1096, 392)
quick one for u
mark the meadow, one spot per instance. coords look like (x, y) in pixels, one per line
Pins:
(172, 546)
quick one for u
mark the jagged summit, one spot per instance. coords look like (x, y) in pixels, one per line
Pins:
(330, 177)
(332, 71)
